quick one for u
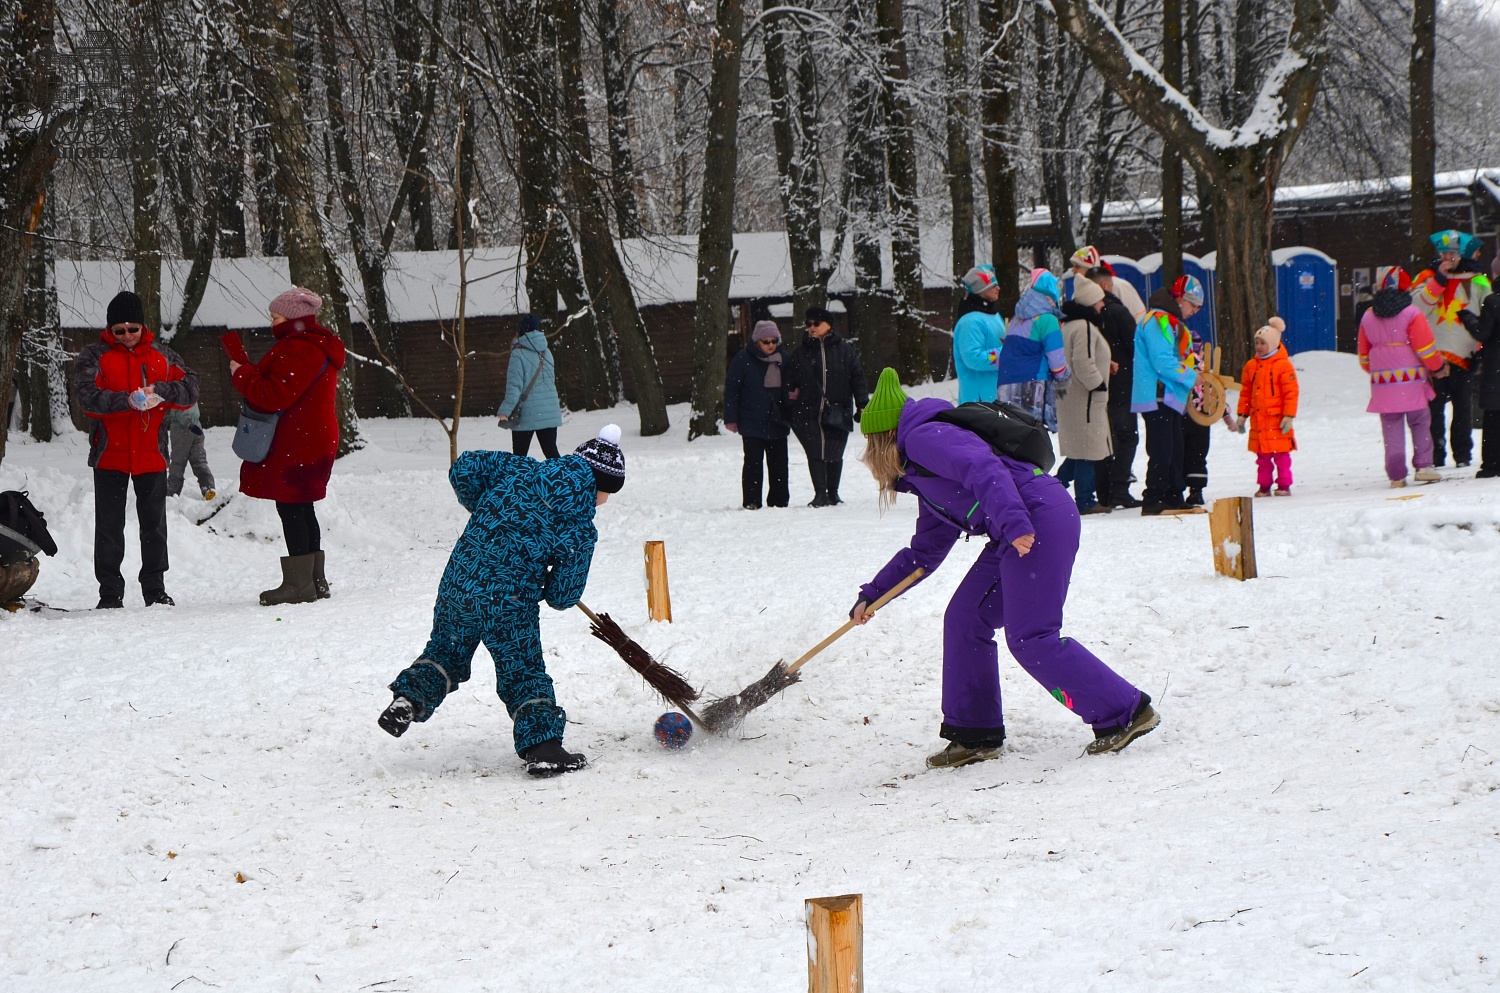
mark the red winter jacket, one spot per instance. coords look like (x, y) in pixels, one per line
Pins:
(124, 439)
(298, 377)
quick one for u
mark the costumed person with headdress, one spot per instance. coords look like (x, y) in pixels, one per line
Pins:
(1451, 296)
(1087, 258)
(1033, 364)
(1398, 351)
(530, 538)
(1164, 376)
(1019, 582)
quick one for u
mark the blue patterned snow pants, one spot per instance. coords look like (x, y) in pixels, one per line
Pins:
(510, 632)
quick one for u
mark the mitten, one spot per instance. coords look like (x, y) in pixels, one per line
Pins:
(1286, 425)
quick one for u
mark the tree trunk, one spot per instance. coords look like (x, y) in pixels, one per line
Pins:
(1171, 163)
(412, 105)
(463, 221)
(960, 162)
(716, 220)
(1246, 287)
(865, 199)
(369, 253)
(795, 132)
(603, 270)
(1423, 134)
(999, 171)
(617, 103)
(266, 29)
(26, 158)
(145, 186)
(42, 384)
(229, 169)
(530, 70)
(901, 159)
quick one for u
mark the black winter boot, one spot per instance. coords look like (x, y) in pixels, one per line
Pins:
(1194, 497)
(818, 470)
(397, 717)
(320, 581)
(551, 759)
(834, 471)
(296, 582)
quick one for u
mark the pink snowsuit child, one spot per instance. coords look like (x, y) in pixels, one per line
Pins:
(1397, 349)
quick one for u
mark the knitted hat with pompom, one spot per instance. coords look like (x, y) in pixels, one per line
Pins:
(604, 457)
(1271, 333)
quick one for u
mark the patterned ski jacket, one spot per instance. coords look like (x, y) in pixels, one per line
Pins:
(530, 535)
(1397, 349)
(1452, 305)
(1164, 362)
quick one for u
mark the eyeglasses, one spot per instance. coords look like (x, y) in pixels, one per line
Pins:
(129, 328)
(773, 342)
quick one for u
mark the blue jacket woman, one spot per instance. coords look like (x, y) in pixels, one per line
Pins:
(541, 413)
(977, 334)
(530, 538)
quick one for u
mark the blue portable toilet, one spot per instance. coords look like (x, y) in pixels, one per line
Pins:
(1307, 298)
(1204, 323)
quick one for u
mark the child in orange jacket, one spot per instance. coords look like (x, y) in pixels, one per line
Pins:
(1268, 397)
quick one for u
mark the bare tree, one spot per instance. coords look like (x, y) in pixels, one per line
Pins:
(960, 160)
(901, 161)
(716, 227)
(1243, 162)
(997, 18)
(1423, 134)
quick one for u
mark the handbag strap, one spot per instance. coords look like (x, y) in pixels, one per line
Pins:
(541, 361)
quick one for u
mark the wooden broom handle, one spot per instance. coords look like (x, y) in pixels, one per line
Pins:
(890, 595)
(591, 615)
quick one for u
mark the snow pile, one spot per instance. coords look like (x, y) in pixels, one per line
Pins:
(199, 795)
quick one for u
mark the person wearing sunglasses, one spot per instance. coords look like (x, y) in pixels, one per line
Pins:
(126, 384)
(753, 392)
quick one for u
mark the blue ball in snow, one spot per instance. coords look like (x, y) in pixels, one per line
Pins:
(673, 730)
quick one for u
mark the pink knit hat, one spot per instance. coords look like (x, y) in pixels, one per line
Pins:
(296, 302)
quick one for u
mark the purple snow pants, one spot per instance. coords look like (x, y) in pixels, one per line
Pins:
(1393, 427)
(1025, 597)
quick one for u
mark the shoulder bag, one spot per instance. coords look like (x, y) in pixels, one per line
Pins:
(255, 431)
(510, 420)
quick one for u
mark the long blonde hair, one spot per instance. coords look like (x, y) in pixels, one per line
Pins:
(884, 462)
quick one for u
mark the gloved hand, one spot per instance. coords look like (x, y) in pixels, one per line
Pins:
(1286, 424)
(732, 428)
(857, 415)
(1061, 386)
(1242, 424)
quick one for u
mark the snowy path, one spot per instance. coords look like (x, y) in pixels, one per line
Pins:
(1318, 810)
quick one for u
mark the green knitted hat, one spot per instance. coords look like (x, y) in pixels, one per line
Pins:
(884, 408)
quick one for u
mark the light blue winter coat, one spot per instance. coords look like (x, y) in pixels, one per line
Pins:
(541, 409)
(1160, 361)
(976, 352)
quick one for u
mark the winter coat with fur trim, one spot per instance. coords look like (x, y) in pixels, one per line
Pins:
(298, 377)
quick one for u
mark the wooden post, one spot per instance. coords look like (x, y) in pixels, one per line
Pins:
(836, 944)
(658, 599)
(1232, 525)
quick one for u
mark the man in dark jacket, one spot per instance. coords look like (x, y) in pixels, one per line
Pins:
(1487, 333)
(126, 384)
(1118, 327)
(827, 387)
(753, 410)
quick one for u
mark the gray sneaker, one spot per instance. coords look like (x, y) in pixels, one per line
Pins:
(1115, 738)
(956, 755)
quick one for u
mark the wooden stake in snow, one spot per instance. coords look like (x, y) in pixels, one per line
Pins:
(1232, 525)
(836, 944)
(658, 599)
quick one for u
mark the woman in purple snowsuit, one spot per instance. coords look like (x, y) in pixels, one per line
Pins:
(1018, 583)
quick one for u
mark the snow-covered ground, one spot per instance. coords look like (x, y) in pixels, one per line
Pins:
(198, 797)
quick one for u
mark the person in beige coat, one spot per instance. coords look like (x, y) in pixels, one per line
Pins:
(1083, 412)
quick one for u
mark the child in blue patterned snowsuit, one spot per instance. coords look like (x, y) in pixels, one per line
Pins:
(530, 537)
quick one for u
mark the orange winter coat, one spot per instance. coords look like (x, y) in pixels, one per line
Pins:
(1269, 393)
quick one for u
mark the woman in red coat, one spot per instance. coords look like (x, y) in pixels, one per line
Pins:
(298, 378)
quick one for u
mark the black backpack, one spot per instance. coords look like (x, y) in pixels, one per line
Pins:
(1009, 430)
(23, 529)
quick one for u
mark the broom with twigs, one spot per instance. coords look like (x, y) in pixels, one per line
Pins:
(726, 713)
(663, 679)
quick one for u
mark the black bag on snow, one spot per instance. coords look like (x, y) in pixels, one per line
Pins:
(1009, 430)
(23, 529)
